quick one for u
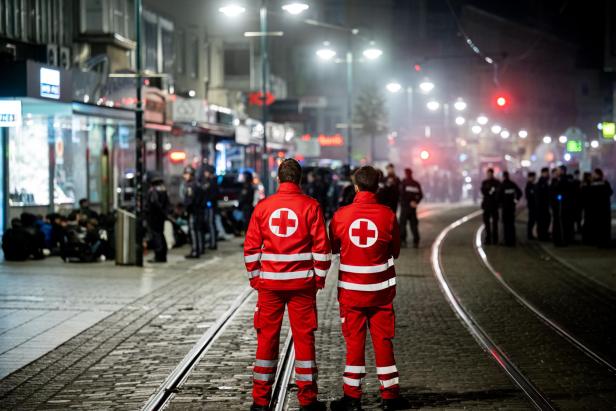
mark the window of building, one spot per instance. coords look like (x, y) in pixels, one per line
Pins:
(167, 49)
(192, 54)
(150, 41)
(180, 51)
(237, 59)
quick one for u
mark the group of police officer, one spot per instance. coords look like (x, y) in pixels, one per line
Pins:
(560, 205)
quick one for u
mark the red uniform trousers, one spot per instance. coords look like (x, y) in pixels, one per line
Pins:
(268, 320)
(381, 321)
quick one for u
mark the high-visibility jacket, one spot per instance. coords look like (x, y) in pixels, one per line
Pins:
(366, 235)
(286, 245)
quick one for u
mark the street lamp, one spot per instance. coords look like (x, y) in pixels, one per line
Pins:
(496, 129)
(426, 86)
(460, 120)
(295, 8)
(505, 134)
(326, 53)
(594, 144)
(476, 129)
(372, 53)
(547, 139)
(433, 105)
(393, 87)
(482, 120)
(562, 139)
(460, 104)
(522, 133)
(232, 10)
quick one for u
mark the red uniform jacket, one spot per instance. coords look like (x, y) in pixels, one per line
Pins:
(286, 245)
(366, 235)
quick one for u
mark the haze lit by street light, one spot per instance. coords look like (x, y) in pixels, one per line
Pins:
(326, 53)
(295, 8)
(433, 105)
(426, 86)
(232, 10)
(393, 87)
(372, 53)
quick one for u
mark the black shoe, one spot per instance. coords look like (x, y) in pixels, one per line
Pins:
(346, 404)
(314, 406)
(255, 407)
(192, 256)
(155, 261)
(395, 404)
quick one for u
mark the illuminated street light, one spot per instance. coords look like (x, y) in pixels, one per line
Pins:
(232, 10)
(562, 139)
(426, 86)
(433, 105)
(424, 155)
(567, 157)
(599, 126)
(547, 139)
(460, 104)
(393, 87)
(594, 144)
(295, 8)
(476, 129)
(460, 120)
(505, 134)
(372, 53)
(326, 53)
(496, 129)
(525, 163)
(522, 133)
(482, 120)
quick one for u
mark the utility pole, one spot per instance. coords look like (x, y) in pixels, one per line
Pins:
(349, 81)
(139, 169)
(264, 77)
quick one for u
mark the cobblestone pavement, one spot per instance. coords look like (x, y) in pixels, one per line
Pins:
(565, 375)
(120, 361)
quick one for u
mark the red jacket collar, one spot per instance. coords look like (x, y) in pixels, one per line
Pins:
(289, 188)
(365, 197)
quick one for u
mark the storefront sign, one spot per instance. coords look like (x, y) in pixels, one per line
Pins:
(242, 134)
(609, 129)
(189, 110)
(10, 113)
(574, 146)
(325, 140)
(307, 147)
(50, 83)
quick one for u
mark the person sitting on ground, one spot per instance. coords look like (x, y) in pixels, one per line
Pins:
(15, 242)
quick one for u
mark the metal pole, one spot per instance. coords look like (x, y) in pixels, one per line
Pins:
(138, 142)
(264, 76)
(349, 78)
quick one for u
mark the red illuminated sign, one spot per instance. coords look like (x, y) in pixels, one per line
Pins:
(256, 98)
(334, 140)
(177, 156)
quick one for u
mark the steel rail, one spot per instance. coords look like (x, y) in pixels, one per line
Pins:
(539, 400)
(181, 372)
(283, 376)
(527, 304)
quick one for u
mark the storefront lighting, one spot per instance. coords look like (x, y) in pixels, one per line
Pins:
(547, 139)
(562, 139)
(177, 156)
(594, 144)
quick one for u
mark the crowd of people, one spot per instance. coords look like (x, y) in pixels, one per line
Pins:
(562, 207)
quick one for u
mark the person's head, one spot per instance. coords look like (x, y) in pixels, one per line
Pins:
(531, 176)
(389, 169)
(208, 171)
(16, 223)
(545, 172)
(290, 171)
(505, 175)
(310, 177)
(366, 178)
(189, 173)
(247, 177)
(563, 170)
(556, 172)
(587, 177)
(84, 203)
(490, 172)
(597, 174)
(408, 173)
(576, 174)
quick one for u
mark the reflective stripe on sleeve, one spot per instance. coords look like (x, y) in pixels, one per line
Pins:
(321, 257)
(303, 377)
(305, 364)
(386, 370)
(355, 369)
(353, 382)
(262, 377)
(286, 276)
(252, 258)
(367, 287)
(320, 273)
(389, 383)
(253, 274)
(367, 269)
(286, 257)
(266, 363)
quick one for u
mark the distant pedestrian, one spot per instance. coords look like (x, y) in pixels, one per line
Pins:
(410, 197)
(531, 204)
(193, 204)
(558, 190)
(391, 189)
(489, 190)
(209, 187)
(157, 209)
(542, 193)
(508, 194)
(587, 208)
(600, 193)
(576, 200)
(247, 199)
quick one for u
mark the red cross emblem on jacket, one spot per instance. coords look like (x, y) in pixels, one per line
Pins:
(283, 222)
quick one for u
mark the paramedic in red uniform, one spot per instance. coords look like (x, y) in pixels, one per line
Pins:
(366, 235)
(287, 255)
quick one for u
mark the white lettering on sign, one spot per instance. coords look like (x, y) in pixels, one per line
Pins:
(10, 113)
(50, 83)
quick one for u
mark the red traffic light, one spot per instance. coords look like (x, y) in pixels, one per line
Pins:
(424, 154)
(501, 101)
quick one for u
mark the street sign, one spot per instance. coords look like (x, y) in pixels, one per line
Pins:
(256, 98)
(574, 146)
(609, 129)
(10, 113)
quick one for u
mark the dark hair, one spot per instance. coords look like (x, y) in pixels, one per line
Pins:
(532, 174)
(82, 201)
(599, 172)
(490, 170)
(545, 170)
(506, 175)
(367, 179)
(290, 171)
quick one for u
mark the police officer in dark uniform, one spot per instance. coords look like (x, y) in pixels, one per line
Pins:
(531, 203)
(600, 193)
(542, 193)
(193, 203)
(209, 185)
(557, 200)
(508, 194)
(390, 192)
(157, 208)
(410, 196)
(489, 190)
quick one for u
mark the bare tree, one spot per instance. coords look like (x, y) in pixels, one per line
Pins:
(370, 114)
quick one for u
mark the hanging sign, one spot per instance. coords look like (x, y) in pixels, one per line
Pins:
(10, 113)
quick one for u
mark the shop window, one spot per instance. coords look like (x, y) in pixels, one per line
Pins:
(29, 163)
(166, 44)
(70, 161)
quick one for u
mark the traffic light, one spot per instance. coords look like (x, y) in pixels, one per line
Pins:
(424, 155)
(501, 101)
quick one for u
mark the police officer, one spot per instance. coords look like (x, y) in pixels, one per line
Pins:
(390, 192)
(287, 255)
(157, 208)
(600, 193)
(209, 186)
(557, 195)
(410, 197)
(530, 193)
(508, 194)
(366, 235)
(193, 203)
(489, 190)
(542, 193)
